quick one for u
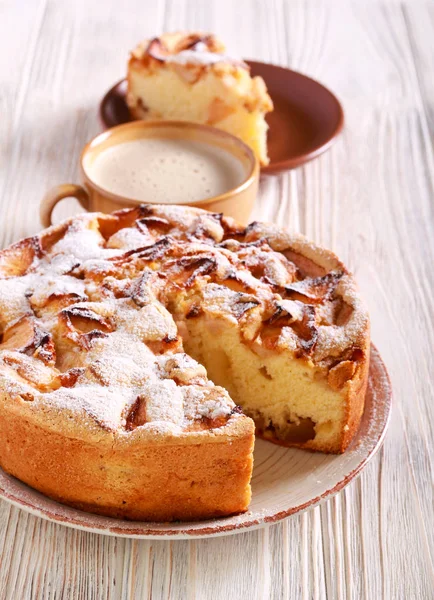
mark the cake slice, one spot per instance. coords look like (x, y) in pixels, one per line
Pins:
(187, 76)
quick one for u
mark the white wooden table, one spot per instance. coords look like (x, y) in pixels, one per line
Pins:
(370, 199)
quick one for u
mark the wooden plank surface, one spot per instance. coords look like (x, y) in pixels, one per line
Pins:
(370, 199)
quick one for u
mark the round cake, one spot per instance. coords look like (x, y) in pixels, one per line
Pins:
(141, 351)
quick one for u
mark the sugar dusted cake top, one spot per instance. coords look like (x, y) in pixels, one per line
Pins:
(192, 55)
(182, 47)
(90, 312)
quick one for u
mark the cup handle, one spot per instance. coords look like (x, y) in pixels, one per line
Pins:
(51, 198)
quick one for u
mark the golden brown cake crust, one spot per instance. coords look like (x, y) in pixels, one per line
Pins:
(101, 408)
(188, 478)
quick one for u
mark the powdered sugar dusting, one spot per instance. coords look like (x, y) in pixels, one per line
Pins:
(13, 301)
(121, 361)
(195, 57)
(164, 401)
(106, 406)
(42, 287)
(128, 238)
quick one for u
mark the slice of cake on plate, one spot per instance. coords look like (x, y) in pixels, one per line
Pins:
(187, 76)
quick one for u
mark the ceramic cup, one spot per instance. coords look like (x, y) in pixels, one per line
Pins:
(236, 202)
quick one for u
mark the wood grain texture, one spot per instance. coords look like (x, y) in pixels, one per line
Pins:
(370, 198)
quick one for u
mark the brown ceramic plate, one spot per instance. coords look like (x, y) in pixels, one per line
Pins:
(285, 480)
(306, 119)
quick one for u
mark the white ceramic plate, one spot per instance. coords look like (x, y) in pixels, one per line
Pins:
(285, 481)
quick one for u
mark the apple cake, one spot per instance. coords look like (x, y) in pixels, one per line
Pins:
(187, 76)
(126, 339)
